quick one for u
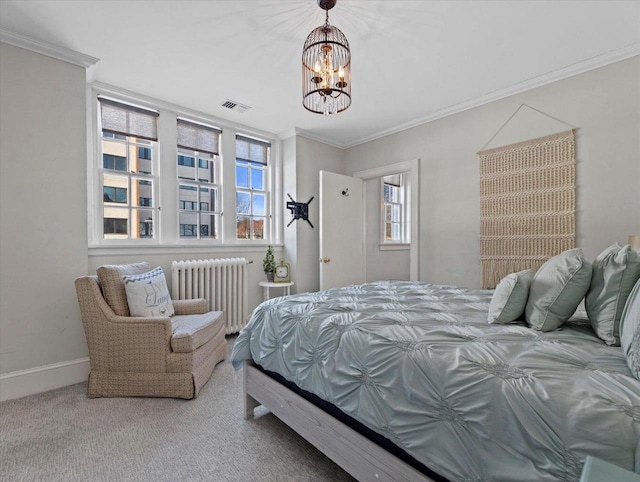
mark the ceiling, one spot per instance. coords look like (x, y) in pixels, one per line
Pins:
(413, 60)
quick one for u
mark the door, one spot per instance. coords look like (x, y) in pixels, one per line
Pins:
(341, 230)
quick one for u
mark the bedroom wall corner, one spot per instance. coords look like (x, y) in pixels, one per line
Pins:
(311, 158)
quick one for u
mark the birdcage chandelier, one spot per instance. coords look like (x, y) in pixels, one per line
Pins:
(326, 68)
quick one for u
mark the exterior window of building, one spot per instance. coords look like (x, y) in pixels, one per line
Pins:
(188, 230)
(116, 226)
(393, 200)
(198, 177)
(144, 153)
(128, 150)
(252, 207)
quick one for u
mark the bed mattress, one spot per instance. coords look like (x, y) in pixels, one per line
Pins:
(419, 364)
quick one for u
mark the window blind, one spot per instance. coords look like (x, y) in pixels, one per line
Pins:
(128, 120)
(252, 150)
(198, 137)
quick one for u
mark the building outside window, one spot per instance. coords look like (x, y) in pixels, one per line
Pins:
(127, 152)
(393, 210)
(252, 208)
(198, 179)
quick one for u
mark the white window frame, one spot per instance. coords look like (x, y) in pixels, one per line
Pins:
(266, 191)
(166, 229)
(404, 222)
(216, 184)
(98, 172)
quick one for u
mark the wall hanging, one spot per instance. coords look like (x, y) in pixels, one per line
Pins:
(527, 204)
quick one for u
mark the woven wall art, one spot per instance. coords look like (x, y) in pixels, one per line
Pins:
(527, 204)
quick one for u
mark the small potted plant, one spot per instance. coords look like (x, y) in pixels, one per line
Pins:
(269, 264)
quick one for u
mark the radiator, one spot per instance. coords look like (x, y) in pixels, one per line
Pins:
(223, 282)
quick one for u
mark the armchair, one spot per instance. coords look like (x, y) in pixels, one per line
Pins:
(150, 356)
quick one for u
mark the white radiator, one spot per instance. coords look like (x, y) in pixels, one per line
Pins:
(223, 282)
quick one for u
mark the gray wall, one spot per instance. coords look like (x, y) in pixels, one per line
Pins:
(302, 164)
(604, 105)
(43, 208)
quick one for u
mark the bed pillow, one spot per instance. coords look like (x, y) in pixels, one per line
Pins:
(630, 331)
(110, 277)
(148, 294)
(510, 297)
(557, 289)
(615, 272)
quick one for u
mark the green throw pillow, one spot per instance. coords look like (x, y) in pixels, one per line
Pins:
(557, 289)
(630, 331)
(510, 297)
(615, 272)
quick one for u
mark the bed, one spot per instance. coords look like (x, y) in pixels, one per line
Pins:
(419, 366)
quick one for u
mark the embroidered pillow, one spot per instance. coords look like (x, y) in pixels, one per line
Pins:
(615, 272)
(510, 297)
(630, 331)
(557, 289)
(148, 294)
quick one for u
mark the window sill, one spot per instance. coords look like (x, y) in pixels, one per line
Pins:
(394, 246)
(158, 249)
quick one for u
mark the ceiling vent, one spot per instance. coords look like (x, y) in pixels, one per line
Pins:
(236, 106)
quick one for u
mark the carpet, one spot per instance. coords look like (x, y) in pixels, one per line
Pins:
(62, 435)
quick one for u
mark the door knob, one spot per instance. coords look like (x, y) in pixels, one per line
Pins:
(325, 260)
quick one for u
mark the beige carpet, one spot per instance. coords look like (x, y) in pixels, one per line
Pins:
(64, 436)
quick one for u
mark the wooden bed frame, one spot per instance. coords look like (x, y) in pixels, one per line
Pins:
(359, 456)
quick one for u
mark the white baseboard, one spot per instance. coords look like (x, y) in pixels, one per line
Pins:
(42, 379)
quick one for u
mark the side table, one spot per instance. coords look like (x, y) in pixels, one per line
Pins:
(266, 285)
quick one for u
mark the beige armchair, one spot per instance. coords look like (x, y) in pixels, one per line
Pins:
(146, 357)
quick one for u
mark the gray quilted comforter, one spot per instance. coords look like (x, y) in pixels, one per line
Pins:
(419, 364)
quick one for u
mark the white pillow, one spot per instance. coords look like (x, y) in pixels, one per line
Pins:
(510, 297)
(148, 294)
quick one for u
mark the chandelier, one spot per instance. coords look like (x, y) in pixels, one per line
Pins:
(326, 68)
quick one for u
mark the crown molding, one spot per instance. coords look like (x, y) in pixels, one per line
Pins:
(45, 48)
(296, 131)
(554, 76)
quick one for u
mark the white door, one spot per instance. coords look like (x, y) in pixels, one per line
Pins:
(341, 230)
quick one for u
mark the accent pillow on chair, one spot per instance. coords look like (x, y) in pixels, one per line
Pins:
(148, 294)
(113, 291)
(557, 289)
(630, 330)
(510, 297)
(615, 272)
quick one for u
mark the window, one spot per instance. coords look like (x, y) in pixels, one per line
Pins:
(199, 189)
(117, 163)
(115, 226)
(252, 214)
(393, 210)
(128, 147)
(114, 194)
(134, 202)
(188, 230)
(188, 161)
(144, 153)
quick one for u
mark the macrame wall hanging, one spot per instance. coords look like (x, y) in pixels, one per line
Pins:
(527, 204)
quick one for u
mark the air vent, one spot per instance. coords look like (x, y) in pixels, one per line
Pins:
(236, 106)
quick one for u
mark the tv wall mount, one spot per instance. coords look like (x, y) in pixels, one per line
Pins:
(299, 210)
